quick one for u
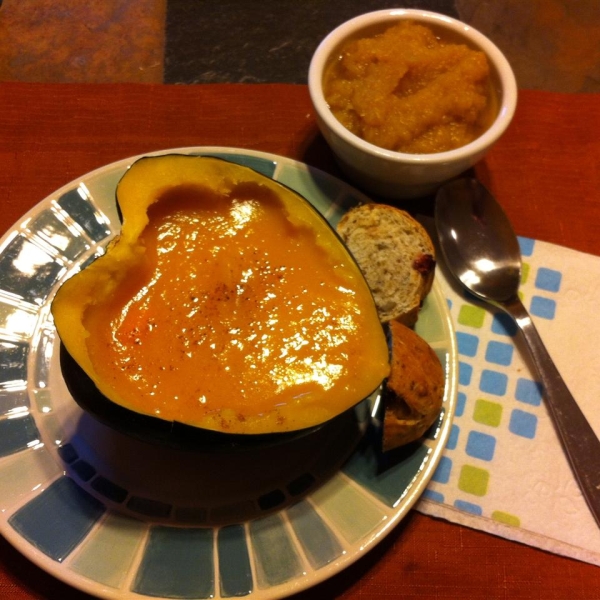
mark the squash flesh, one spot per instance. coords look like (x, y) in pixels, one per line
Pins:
(231, 308)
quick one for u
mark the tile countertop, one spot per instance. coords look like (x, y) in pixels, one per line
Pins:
(553, 45)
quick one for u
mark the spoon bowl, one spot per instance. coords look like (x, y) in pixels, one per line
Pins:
(478, 241)
(482, 252)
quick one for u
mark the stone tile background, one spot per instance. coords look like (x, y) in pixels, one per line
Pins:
(552, 44)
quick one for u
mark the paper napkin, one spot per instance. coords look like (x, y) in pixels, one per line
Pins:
(504, 470)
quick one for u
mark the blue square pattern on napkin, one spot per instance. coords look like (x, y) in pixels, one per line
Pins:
(495, 401)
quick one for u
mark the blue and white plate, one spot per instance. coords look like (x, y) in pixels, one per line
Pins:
(118, 518)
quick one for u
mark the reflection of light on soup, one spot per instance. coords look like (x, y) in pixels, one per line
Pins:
(237, 318)
(409, 91)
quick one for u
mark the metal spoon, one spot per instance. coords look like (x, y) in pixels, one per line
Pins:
(482, 252)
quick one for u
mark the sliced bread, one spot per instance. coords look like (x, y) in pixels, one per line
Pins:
(414, 391)
(396, 256)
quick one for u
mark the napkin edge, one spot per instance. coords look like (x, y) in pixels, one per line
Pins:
(516, 534)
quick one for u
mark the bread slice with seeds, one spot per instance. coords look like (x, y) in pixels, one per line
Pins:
(396, 256)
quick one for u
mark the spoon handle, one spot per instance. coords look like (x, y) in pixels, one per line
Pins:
(579, 441)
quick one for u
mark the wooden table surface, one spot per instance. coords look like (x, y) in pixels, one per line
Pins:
(545, 172)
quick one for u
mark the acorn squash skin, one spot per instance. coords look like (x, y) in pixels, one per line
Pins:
(102, 277)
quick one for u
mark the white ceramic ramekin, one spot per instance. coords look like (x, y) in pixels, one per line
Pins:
(396, 175)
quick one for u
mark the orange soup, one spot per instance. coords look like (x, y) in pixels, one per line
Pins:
(236, 314)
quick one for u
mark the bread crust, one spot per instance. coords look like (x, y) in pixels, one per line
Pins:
(396, 256)
(414, 390)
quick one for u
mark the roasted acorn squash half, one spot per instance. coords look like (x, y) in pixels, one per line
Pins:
(227, 305)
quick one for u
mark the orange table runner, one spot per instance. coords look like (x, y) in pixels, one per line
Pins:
(545, 171)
